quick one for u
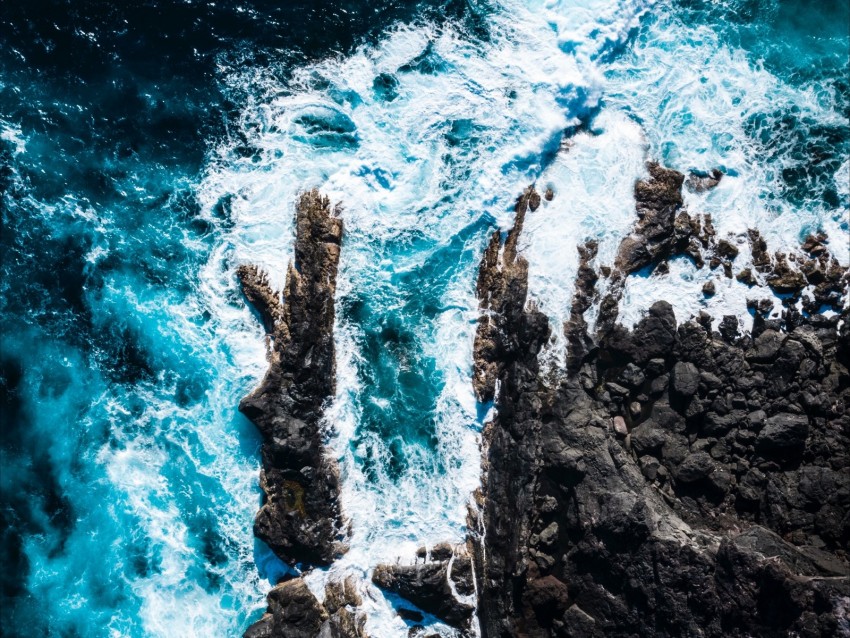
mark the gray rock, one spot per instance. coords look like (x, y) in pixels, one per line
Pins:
(684, 379)
(426, 586)
(783, 434)
(695, 467)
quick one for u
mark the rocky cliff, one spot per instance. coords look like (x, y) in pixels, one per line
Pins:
(675, 479)
(678, 480)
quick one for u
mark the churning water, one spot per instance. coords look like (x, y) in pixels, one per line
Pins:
(141, 162)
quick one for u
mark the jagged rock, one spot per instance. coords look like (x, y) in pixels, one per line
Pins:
(729, 328)
(426, 585)
(633, 525)
(340, 594)
(746, 277)
(758, 248)
(502, 290)
(300, 519)
(461, 575)
(695, 467)
(575, 329)
(701, 183)
(784, 433)
(633, 254)
(766, 346)
(814, 244)
(656, 234)
(785, 279)
(293, 612)
(441, 552)
(708, 288)
(726, 249)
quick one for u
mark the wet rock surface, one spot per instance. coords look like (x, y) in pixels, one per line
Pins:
(680, 479)
(300, 519)
(428, 585)
(294, 612)
(502, 279)
(676, 479)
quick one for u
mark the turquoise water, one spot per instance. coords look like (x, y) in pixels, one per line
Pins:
(131, 191)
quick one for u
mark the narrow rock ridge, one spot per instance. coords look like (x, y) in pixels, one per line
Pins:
(443, 584)
(679, 480)
(300, 519)
(509, 336)
(502, 280)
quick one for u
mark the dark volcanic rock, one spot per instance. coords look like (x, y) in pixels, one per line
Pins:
(684, 379)
(784, 433)
(718, 506)
(427, 586)
(502, 289)
(300, 519)
(294, 612)
(658, 200)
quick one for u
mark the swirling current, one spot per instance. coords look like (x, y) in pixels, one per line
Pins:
(149, 148)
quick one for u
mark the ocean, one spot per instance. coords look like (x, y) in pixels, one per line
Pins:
(149, 148)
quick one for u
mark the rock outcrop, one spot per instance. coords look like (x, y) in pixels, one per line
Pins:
(440, 586)
(300, 519)
(294, 612)
(502, 279)
(678, 480)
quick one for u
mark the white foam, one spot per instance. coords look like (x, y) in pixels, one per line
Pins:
(399, 176)
(695, 95)
(593, 184)
(13, 135)
(509, 100)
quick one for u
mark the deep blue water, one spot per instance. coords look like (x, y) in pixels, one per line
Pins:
(147, 148)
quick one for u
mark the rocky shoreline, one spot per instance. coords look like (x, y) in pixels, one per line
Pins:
(676, 479)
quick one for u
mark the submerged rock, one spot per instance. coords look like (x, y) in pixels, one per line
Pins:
(701, 183)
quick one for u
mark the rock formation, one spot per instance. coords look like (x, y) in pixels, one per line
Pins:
(677, 480)
(301, 519)
(502, 278)
(439, 586)
(294, 612)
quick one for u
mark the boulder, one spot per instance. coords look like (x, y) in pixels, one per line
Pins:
(783, 434)
(684, 379)
(426, 585)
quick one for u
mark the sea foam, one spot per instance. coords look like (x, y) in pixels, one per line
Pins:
(425, 141)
